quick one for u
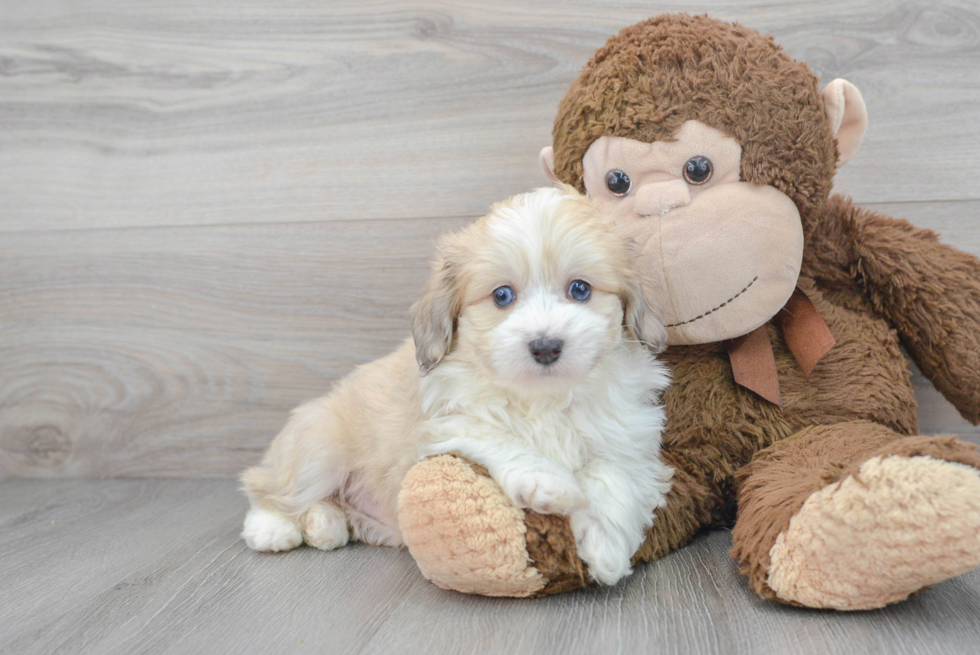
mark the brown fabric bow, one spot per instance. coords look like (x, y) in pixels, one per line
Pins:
(805, 333)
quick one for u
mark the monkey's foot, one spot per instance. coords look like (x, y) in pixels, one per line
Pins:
(876, 537)
(465, 534)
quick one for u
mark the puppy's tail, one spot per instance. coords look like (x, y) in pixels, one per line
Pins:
(257, 484)
(301, 466)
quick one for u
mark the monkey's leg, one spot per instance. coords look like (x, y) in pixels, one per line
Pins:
(466, 535)
(854, 516)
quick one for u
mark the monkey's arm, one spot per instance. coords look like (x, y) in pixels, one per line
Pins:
(929, 291)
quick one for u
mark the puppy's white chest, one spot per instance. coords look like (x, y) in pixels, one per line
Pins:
(557, 434)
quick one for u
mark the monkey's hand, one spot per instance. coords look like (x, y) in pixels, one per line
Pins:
(466, 534)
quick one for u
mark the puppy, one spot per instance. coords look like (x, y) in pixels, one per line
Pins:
(531, 355)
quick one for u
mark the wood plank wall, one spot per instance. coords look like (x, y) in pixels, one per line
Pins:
(209, 210)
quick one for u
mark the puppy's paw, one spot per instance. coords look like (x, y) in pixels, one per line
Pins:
(603, 548)
(325, 526)
(544, 491)
(270, 531)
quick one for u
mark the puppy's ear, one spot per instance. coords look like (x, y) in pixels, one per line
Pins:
(643, 317)
(434, 314)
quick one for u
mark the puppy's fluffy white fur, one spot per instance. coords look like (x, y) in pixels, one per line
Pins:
(579, 436)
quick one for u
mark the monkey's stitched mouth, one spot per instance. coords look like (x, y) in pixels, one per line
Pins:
(715, 309)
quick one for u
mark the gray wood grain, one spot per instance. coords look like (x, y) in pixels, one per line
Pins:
(156, 566)
(244, 112)
(180, 351)
(174, 351)
(210, 211)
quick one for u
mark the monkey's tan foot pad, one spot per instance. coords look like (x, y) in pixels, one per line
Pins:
(874, 538)
(466, 535)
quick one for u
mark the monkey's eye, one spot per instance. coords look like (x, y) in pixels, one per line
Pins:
(503, 296)
(618, 182)
(579, 290)
(698, 170)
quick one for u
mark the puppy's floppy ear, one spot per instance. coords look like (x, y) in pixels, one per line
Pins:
(642, 315)
(434, 314)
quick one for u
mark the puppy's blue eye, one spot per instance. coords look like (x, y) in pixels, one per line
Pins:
(503, 296)
(579, 290)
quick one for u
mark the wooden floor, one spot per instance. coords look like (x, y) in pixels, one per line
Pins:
(156, 566)
(212, 209)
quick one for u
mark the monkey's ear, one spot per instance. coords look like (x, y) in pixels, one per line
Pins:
(848, 116)
(547, 159)
(434, 315)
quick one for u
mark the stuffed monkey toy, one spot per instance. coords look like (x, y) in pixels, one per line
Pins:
(791, 417)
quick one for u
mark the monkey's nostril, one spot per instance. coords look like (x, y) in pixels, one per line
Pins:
(546, 351)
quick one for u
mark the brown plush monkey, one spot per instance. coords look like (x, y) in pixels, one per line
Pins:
(791, 416)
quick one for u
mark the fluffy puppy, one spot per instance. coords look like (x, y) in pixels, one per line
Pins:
(531, 355)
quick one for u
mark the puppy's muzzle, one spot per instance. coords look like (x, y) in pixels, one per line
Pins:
(546, 351)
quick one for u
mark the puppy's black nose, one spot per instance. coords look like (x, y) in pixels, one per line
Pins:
(546, 351)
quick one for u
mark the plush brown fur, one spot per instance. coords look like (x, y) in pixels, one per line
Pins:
(878, 282)
(651, 77)
(548, 547)
(774, 486)
(927, 291)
